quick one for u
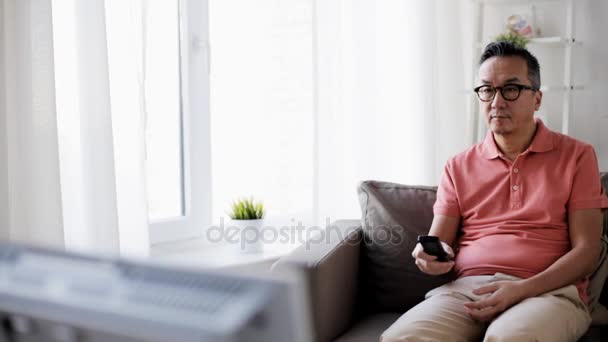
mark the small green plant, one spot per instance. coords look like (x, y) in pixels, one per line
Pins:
(246, 209)
(513, 38)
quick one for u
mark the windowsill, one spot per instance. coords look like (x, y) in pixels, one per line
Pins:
(199, 253)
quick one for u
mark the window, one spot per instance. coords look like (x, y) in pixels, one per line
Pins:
(163, 110)
(170, 55)
(159, 71)
(178, 132)
(259, 145)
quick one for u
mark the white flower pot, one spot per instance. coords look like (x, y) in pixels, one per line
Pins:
(250, 235)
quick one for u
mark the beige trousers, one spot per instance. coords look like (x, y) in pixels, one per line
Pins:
(559, 315)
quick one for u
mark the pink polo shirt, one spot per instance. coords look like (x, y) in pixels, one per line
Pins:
(515, 214)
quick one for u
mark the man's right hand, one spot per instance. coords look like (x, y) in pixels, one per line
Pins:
(427, 264)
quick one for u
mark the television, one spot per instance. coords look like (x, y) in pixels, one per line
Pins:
(52, 295)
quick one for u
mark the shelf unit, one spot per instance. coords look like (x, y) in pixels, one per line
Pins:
(567, 42)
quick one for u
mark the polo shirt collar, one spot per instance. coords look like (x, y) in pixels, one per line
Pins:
(543, 139)
(489, 149)
(542, 142)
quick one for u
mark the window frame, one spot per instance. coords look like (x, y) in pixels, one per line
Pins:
(195, 126)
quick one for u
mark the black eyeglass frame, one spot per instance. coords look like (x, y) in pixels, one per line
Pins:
(519, 87)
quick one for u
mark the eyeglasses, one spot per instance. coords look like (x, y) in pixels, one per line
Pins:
(509, 92)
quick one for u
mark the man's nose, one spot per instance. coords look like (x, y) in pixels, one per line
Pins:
(498, 101)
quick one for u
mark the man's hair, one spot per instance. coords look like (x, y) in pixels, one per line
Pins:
(506, 49)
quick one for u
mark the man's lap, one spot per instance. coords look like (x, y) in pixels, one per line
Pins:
(554, 315)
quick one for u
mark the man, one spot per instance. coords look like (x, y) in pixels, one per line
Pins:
(526, 206)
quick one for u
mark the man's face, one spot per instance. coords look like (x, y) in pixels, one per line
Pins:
(508, 117)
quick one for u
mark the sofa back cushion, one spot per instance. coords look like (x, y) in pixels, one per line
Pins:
(603, 269)
(393, 216)
(604, 179)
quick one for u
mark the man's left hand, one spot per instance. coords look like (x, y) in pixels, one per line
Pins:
(503, 295)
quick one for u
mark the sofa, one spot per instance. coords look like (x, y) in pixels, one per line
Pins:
(361, 276)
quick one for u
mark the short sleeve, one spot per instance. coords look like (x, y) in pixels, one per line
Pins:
(447, 200)
(587, 191)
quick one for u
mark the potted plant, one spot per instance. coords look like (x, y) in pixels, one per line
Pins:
(248, 216)
(513, 38)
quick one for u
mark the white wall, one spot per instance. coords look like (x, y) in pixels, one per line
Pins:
(4, 219)
(590, 113)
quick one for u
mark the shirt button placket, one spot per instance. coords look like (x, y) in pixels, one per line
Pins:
(515, 187)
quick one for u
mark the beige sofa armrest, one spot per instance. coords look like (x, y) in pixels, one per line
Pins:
(331, 268)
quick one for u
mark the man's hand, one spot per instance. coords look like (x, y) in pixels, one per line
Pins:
(427, 264)
(503, 295)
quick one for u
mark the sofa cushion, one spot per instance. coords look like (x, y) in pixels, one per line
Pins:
(604, 179)
(393, 216)
(369, 328)
(595, 334)
(597, 281)
(599, 314)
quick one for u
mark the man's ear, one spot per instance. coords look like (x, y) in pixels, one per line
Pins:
(538, 98)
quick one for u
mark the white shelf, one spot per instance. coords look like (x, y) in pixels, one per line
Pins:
(554, 41)
(512, 2)
(545, 88)
(561, 88)
(559, 41)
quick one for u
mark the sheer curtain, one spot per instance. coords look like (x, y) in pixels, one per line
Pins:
(261, 105)
(308, 98)
(34, 210)
(391, 94)
(74, 166)
(311, 97)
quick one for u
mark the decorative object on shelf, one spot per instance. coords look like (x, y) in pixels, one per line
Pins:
(247, 216)
(519, 25)
(519, 31)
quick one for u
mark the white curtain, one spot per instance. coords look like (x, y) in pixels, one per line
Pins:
(310, 97)
(34, 210)
(391, 94)
(75, 167)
